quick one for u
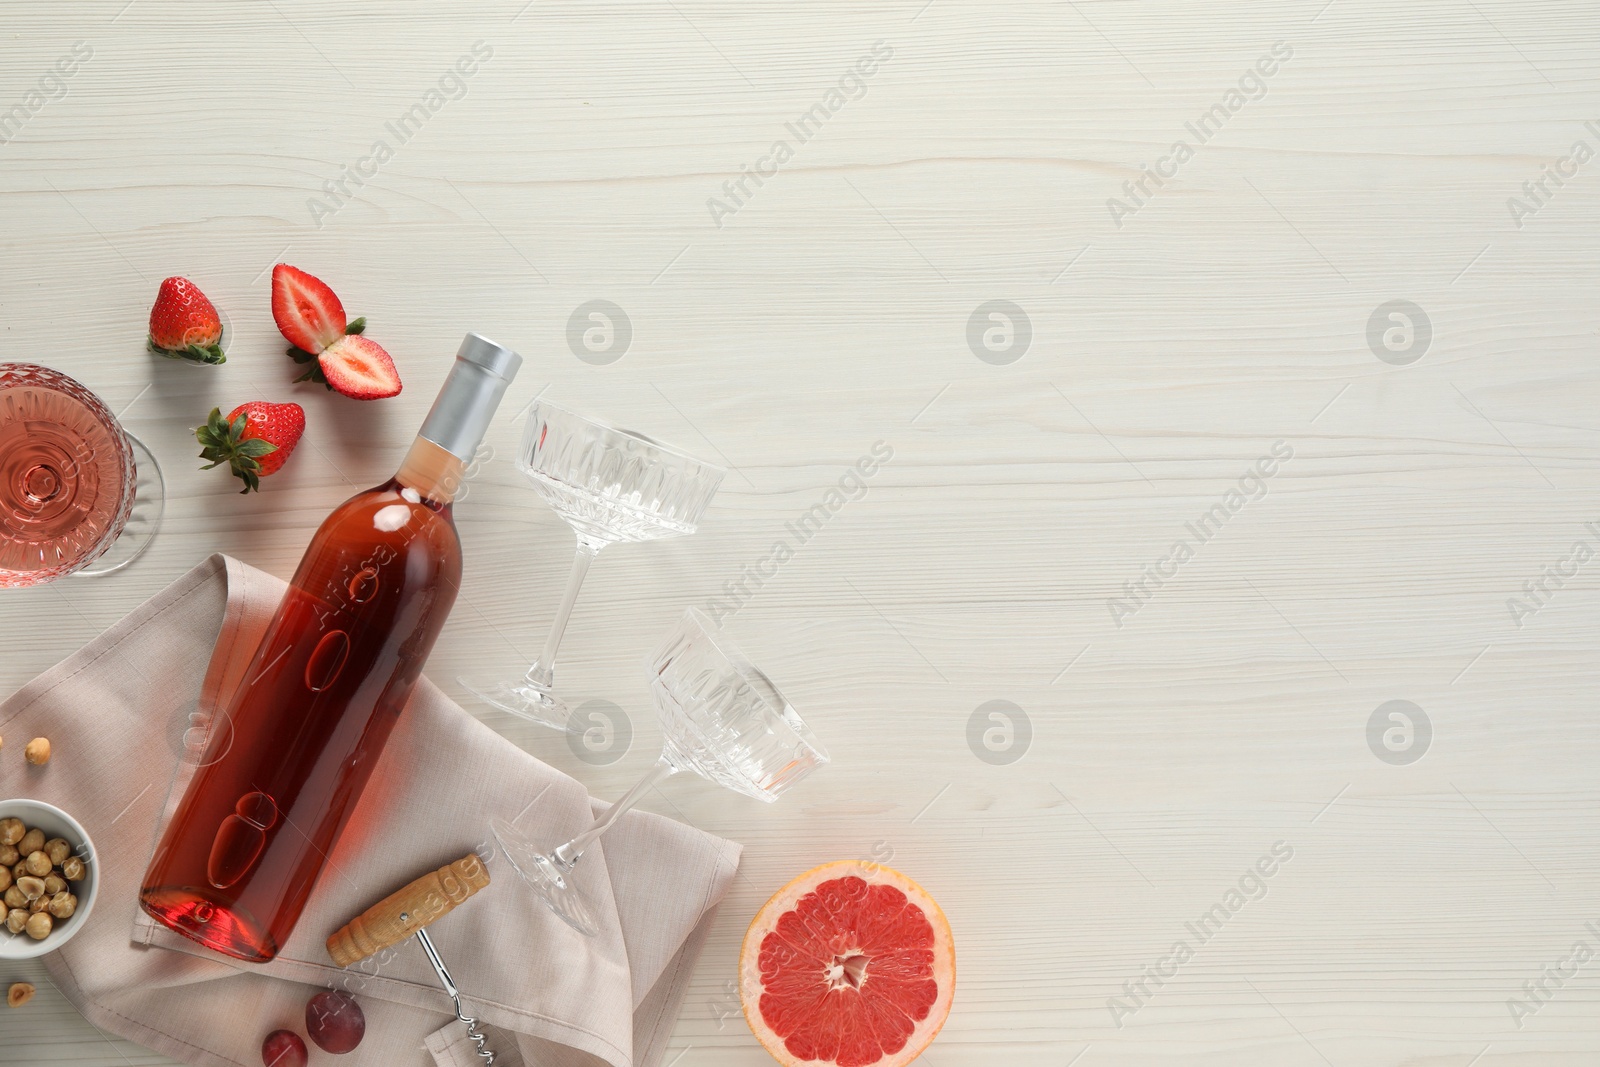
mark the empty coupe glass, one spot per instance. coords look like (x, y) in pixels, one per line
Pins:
(722, 719)
(609, 485)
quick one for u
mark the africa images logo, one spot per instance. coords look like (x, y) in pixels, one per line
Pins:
(1251, 86)
(52, 86)
(1537, 192)
(852, 85)
(851, 485)
(1536, 592)
(451, 85)
(1251, 885)
(1252, 485)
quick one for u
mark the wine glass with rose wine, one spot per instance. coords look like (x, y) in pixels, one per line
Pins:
(721, 718)
(610, 485)
(78, 493)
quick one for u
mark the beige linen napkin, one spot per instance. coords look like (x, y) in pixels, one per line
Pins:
(116, 713)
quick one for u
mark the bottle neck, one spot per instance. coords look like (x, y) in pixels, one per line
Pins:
(433, 472)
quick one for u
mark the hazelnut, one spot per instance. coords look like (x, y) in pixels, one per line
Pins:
(38, 864)
(6, 879)
(53, 884)
(63, 904)
(19, 994)
(38, 904)
(31, 842)
(57, 849)
(38, 751)
(19, 869)
(16, 919)
(11, 831)
(16, 898)
(72, 869)
(39, 925)
(9, 855)
(31, 887)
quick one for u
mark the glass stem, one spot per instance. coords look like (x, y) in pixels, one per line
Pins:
(569, 853)
(543, 671)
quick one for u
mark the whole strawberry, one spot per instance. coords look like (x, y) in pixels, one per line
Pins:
(254, 440)
(311, 318)
(184, 324)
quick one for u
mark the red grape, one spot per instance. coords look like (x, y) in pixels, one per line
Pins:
(283, 1048)
(334, 1021)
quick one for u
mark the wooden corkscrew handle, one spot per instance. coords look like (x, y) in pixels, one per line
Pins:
(405, 911)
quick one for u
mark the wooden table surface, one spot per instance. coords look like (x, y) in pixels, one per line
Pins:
(1162, 534)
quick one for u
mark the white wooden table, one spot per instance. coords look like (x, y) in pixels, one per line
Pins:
(1046, 461)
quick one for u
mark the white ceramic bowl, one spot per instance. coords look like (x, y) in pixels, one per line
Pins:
(55, 823)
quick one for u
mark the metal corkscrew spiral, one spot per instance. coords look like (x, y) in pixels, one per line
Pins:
(407, 912)
(478, 1040)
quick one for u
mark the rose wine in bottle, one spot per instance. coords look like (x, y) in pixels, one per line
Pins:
(286, 760)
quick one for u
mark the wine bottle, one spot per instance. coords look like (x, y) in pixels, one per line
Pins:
(286, 760)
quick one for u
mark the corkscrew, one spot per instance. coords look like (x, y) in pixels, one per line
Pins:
(409, 911)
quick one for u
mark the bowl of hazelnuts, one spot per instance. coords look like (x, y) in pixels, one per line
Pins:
(47, 878)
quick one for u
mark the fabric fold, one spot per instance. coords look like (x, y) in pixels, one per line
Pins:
(126, 715)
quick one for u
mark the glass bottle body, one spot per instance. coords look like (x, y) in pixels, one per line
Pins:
(291, 751)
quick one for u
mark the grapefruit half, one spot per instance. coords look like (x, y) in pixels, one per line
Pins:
(850, 964)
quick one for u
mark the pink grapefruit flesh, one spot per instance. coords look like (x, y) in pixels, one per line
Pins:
(850, 964)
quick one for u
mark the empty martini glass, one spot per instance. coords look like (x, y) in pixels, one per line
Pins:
(609, 485)
(721, 718)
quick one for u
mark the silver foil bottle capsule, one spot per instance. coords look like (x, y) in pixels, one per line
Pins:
(466, 403)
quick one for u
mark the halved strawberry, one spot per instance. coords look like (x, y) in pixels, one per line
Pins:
(306, 310)
(359, 368)
(254, 440)
(309, 315)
